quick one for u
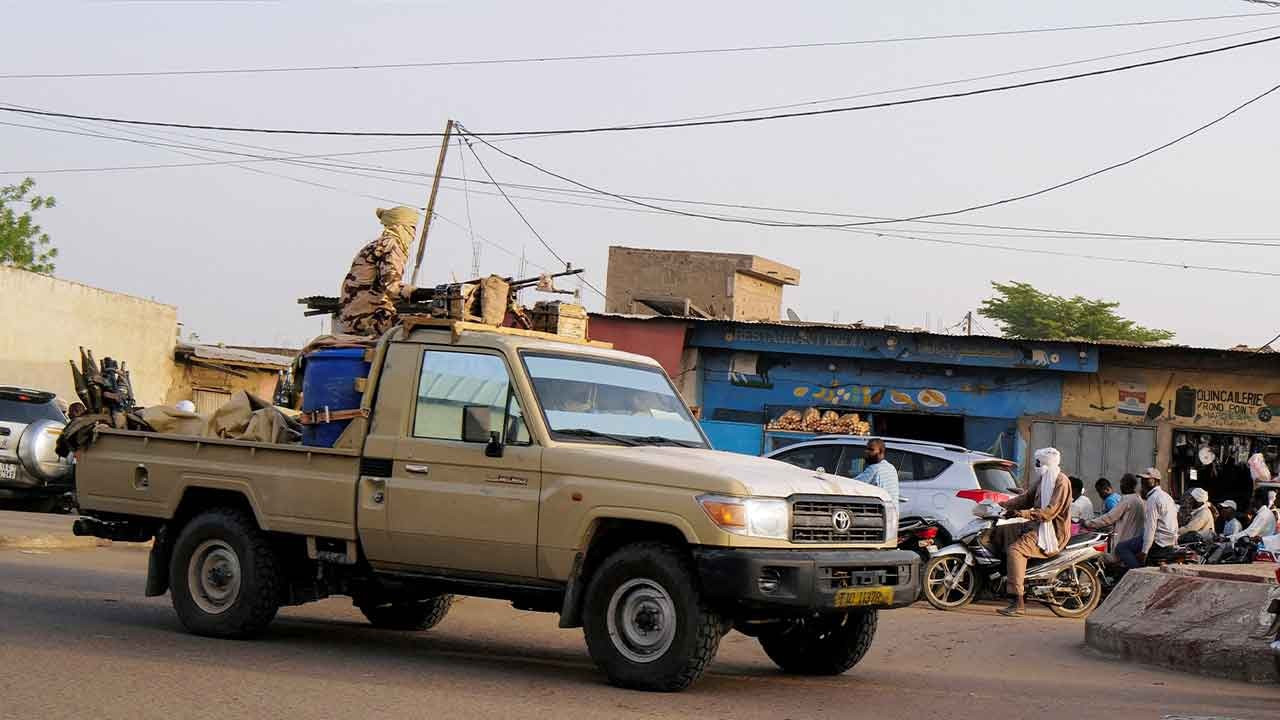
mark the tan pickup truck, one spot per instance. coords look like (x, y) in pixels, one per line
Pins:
(563, 477)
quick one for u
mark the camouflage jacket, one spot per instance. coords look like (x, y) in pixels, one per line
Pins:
(372, 286)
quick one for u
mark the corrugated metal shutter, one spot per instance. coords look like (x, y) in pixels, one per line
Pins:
(208, 401)
(1094, 450)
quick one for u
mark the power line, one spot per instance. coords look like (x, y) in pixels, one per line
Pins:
(972, 78)
(616, 55)
(1063, 253)
(874, 233)
(354, 170)
(667, 125)
(524, 219)
(348, 191)
(510, 202)
(819, 101)
(922, 216)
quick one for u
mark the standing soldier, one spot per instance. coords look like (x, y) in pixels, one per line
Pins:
(374, 283)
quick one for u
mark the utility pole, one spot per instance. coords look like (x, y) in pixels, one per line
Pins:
(431, 201)
(968, 323)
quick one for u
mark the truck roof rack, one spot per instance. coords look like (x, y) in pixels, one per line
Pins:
(457, 327)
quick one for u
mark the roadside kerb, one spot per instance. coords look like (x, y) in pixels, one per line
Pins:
(1205, 620)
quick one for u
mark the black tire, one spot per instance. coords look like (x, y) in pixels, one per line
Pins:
(224, 575)
(825, 645)
(649, 588)
(408, 615)
(1082, 605)
(938, 576)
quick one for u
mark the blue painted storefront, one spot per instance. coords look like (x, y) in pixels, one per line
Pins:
(751, 373)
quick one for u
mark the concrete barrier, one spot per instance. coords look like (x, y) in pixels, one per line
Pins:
(1207, 620)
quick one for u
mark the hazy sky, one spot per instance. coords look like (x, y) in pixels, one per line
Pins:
(233, 249)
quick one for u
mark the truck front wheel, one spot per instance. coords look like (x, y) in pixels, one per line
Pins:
(223, 575)
(409, 614)
(645, 622)
(824, 645)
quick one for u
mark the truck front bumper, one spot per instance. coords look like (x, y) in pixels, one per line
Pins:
(807, 580)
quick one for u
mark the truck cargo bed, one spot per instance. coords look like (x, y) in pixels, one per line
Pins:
(291, 488)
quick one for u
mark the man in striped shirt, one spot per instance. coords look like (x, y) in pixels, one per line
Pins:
(878, 471)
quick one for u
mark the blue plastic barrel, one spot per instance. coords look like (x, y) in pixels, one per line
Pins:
(329, 380)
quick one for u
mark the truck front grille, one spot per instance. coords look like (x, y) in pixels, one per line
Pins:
(821, 521)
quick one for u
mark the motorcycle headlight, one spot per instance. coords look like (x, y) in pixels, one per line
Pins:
(752, 517)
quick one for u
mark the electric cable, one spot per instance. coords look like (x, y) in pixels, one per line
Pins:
(354, 170)
(618, 55)
(668, 125)
(921, 216)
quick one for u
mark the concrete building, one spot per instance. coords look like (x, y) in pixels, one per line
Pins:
(697, 284)
(46, 320)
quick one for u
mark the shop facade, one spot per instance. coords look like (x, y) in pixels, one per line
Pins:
(1196, 414)
(759, 386)
(1208, 412)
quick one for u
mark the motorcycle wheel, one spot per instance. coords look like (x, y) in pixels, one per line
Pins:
(949, 583)
(1083, 603)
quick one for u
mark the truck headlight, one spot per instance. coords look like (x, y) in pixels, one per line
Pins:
(891, 521)
(753, 517)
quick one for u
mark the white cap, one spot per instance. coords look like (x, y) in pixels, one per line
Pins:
(186, 406)
(1153, 473)
(1229, 504)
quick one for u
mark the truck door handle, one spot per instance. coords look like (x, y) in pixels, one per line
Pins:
(420, 469)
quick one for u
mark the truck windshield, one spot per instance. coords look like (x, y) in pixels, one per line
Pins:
(607, 401)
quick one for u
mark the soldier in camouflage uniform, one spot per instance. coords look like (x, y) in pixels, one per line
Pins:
(374, 284)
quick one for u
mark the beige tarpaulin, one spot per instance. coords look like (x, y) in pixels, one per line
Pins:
(243, 417)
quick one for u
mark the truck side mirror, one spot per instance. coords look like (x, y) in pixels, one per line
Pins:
(494, 448)
(476, 423)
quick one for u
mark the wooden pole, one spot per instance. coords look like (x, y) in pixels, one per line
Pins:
(431, 202)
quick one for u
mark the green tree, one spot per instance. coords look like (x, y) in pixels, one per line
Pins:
(22, 242)
(1027, 313)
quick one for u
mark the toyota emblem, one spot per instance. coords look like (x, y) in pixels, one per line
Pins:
(841, 520)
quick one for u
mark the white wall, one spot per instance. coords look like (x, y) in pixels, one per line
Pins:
(44, 321)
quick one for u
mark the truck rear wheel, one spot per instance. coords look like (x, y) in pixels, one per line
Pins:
(645, 622)
(223, 575)
(408, 615)
(825, 645)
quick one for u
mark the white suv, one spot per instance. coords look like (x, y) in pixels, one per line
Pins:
(934, 479)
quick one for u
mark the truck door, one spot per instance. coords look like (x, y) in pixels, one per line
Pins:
(453, 504)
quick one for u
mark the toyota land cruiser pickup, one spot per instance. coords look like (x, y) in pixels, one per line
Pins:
(561, 476)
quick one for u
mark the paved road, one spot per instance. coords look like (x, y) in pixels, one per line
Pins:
(77, 640)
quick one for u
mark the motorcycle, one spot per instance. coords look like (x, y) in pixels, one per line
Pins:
(919, 535)
(1226, 552)
(1069, 583)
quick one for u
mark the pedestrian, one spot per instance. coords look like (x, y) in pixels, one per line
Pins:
(1047, 504)
(1110, 498)
(1160, 525)
(1233, 524)
(375, 281)
(878, 470)
(1199, 527)
(1127, 518)
(1081, 505)
(1264, 518)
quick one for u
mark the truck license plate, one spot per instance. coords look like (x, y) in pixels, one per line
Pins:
(8, 472)
(853, 597)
